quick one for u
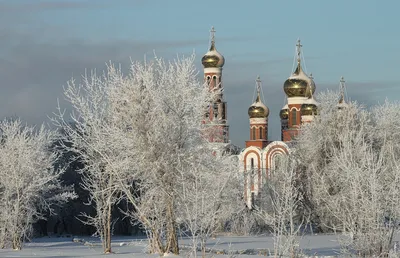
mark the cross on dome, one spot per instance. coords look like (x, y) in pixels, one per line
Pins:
(212, 36)
(258, 84)
(258, 109)
(298, 48)
(213, 59)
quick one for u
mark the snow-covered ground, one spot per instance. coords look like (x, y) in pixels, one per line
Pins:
(241, 246)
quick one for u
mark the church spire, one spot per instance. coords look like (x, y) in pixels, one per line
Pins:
(216, 114)
(298, 51)
(213, 59)
(258, 87)
(258, 116)
(342, 94)
(342, 90)
(212, 38)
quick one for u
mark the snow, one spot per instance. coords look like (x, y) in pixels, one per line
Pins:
(135, 247)
(122, 247)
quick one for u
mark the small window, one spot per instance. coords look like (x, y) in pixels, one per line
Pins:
(208, 79)
(294, 117)
(223, 112)
(261, 132)
(215, 81)
(215, 110)
(254, 133)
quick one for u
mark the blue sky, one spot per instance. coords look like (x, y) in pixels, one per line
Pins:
(44, 43)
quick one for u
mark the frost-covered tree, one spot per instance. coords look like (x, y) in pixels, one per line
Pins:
(163, 106)
(350, 159)
(30, 184)
(280, 207)
(208, 195)
(142, 133)
(91, 134)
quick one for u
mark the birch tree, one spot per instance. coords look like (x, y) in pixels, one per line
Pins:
(30, 184)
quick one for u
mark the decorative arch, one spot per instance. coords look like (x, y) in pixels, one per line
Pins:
(252, 151)
(252, 180)
(271, 152)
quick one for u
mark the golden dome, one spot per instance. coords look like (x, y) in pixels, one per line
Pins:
(258, 109)
(213, 58)
(297, 84)
(284, 113)
(312, 84)
(309, 108)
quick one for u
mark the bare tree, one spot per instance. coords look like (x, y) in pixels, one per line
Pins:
(29, 185)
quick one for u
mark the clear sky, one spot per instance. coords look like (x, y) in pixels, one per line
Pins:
(44, 43)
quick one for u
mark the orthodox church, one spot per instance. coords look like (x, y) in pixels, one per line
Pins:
(258, 158)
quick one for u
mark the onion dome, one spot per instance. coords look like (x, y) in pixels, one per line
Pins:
(213, 58)
(296, 84)
(309, 107)
(258, 109)
(284, 113)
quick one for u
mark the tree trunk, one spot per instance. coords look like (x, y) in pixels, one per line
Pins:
(17, 242)
(107, 239)
(172, 237)
(156, 245)
(2, 238)
(203, 247)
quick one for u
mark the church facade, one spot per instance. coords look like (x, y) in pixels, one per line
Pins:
(258, 158)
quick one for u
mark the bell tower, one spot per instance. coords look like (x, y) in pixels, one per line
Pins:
(299, 89)
(215, 118)
(258, 115)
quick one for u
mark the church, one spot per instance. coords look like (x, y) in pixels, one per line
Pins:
(260, 154)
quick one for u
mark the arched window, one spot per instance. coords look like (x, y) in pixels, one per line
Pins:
(254, 133)
(251, 166)
(208, 79)
(214, 81)
(261, 132)
(294, 117)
